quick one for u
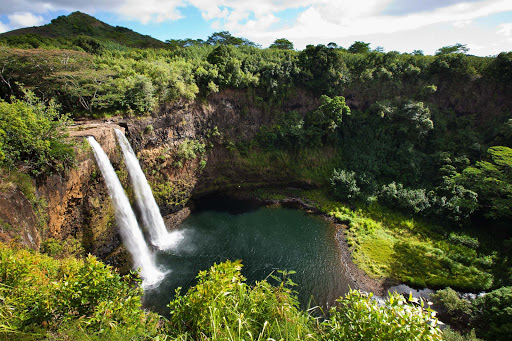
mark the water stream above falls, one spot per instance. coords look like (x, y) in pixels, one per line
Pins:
(265, 239)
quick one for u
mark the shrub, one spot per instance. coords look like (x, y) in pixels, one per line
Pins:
(463, 239)
(32, 137)
(189, 149)
(359, 317)
(46, 295)
(456, 310)
(344, 184)
(412, 200)
(139, 94)
(492, 314)
(223, 307)
(452, 335)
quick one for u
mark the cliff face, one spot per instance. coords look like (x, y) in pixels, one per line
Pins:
(79, 208)
(17, 219)
(182, 150)
(66, 196)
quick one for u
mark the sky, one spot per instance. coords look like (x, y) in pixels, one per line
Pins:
(485, 26)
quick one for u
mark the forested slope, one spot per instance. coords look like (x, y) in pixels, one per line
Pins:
(411, 153)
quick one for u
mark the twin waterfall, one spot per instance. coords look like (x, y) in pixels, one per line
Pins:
(125, 217)
(151, 216)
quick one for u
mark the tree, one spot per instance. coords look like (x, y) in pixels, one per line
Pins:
(492, 181)
(175, 43)
(492, 314)
(31, 136)
(359, 47)
(220, 55)
(323, 69)
(322, 124)
(501, 67)
(418, 52)
(282, 44)
(225, 38)
(344, 185)
(457, 48)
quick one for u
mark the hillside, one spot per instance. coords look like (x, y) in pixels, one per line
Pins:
(409, 155)
(80, 24)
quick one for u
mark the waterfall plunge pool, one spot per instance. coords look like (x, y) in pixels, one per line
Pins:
(265, 239)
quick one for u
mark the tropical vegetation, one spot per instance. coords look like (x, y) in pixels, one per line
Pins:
(411, 153)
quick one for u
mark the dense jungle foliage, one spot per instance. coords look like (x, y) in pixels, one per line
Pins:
(70, 299)
(413, 153)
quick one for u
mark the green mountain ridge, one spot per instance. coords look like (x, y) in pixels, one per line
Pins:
(79, 24)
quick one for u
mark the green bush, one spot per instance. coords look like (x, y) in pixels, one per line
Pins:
(32, 136)
(189, 149)
(492, 314)
(463, 239)
(412, 200)
(45, 295)
(455, 310)
(359, 317)
(221, 306)
(344, 185)
(451, 335)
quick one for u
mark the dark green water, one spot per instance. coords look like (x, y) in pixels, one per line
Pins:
(265, 239)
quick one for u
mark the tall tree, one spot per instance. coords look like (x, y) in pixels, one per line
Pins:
(457, 48)
(323, 69)
(226, 38)
(359, 47)
(282, 44)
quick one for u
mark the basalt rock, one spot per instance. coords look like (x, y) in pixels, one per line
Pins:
(17, 219)
(182, 150)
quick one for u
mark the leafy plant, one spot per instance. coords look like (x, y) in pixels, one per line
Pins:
(359, 317)
(223, 307)
(492, 315)
(33, 136)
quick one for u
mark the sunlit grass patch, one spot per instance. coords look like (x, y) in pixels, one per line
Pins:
(389, 244)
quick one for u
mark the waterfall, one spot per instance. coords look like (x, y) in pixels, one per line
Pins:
(126, 221)
(150, 212)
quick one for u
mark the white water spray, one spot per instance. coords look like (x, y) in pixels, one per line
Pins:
(150, 213)
(128, 227)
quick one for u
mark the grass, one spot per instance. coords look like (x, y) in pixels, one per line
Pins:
(389, 244)
(375, 252)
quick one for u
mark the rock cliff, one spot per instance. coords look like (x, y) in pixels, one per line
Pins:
(183, 149)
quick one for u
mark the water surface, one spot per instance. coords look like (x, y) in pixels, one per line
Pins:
(265, 239)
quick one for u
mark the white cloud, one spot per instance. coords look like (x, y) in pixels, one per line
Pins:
(152, 10)
(505, 29)
(3, 27)
(462, 23)
(26, 19)
(332, 21)
(19, 20)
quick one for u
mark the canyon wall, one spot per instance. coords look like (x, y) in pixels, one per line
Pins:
(184, 149)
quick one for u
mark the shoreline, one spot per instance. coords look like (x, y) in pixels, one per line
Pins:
(357, 276)
(360, 279)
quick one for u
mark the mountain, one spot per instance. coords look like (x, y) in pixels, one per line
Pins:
(80, 24)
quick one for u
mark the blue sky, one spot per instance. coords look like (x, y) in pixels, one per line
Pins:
(401, 25)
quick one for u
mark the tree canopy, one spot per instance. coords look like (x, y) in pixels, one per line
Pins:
(282, 44)
(457, 48)
(359, 47)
